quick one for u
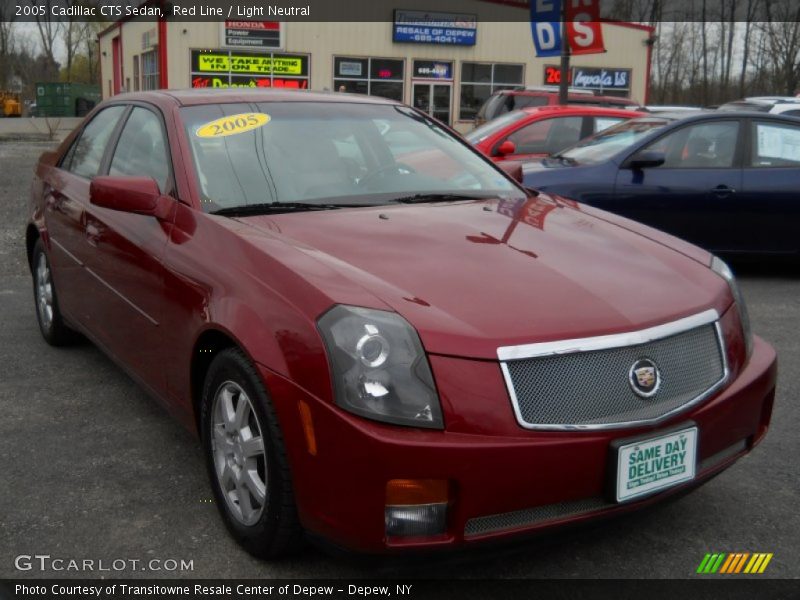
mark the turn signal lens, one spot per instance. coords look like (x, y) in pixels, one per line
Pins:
(416, 491)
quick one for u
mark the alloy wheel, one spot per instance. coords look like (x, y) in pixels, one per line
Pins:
(44, 292)
(240, 462)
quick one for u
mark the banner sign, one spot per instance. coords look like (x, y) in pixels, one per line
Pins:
(263, 64)
(584, 30)
(546, 27)
(418, 27)
(224, 69)
(591, 78)
(601, 79)
(251, 34)
(237, 81)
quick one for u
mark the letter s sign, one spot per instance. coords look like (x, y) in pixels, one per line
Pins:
(584, 30)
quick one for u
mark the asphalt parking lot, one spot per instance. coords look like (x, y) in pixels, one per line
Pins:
(92, 468)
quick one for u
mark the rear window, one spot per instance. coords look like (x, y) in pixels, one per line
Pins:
(501, 104)
(489, 107)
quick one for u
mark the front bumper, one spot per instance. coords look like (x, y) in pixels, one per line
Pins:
(505, 481)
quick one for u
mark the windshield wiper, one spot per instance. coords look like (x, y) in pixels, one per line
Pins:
(273, 207)
(419, 198)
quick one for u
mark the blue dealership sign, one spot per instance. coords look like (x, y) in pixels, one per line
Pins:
(420, 27)
(546, 27)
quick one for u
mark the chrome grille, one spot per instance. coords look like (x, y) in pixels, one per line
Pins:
(590, 389)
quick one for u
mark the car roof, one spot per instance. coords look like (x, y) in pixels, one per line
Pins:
(686, 116)
(554, 92)
(773, 99)
(584, 109)
(199, 96)
(670, 108)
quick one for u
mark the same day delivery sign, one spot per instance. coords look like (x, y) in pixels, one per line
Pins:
(584, 32)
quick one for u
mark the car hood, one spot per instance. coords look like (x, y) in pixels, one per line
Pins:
(473, 276)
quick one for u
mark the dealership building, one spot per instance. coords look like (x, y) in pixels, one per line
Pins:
(446, 63)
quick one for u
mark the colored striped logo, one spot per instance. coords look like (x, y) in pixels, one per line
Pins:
(734, 562)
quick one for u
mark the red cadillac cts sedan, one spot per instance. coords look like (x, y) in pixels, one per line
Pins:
(382, 352)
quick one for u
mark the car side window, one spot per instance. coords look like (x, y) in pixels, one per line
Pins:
(87, 153)
(601, 123)
(701, 146)
(775, 145)
(142, 148)
(547, 136)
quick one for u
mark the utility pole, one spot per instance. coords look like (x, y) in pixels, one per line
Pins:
(563, 85)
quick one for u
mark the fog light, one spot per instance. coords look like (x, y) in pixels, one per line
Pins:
(416, 507)
(416, 520)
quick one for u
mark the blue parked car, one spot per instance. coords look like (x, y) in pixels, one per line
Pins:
(729, 182)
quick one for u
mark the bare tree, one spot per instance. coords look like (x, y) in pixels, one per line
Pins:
(783, 36)
(704, 38)
(79, 37)
(48, 28)
(752, 7)
(7, 17)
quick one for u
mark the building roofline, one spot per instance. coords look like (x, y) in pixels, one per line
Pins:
(521, 4)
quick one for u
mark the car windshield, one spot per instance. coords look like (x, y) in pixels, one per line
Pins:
(602, 145)
(479, 134)
(330, 153)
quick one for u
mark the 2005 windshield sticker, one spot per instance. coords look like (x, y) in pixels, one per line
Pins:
(232, 125)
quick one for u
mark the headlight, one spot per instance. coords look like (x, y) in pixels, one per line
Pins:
(723, 270)
(379, 368)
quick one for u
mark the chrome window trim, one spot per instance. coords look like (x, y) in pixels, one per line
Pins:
(633, 338)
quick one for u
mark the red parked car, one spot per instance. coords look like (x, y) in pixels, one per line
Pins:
(508, 100)
(537, 132)
(379, 357)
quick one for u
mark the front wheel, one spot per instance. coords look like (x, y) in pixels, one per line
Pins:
(246, 458)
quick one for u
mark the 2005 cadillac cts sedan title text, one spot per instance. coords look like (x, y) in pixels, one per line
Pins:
(382, 340)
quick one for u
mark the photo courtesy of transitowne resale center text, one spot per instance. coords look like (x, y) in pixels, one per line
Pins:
(399, 298)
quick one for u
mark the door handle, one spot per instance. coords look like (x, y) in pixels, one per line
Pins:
(723, 191)
(54, 199)
(93, 234)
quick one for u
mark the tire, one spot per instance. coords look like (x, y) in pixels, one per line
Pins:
(51, 323)
(251, 482)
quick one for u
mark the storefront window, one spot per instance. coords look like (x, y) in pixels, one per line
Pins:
(150, 78)
(481, 80)
(226, 69)
(373, 76)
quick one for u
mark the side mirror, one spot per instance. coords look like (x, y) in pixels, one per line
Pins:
(507, 147)
(645, 159)
(139, 195)
(512, 168)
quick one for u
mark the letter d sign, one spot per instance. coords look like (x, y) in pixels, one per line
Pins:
(546, 26)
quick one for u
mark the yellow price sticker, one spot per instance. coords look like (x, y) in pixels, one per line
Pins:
(233, 125)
